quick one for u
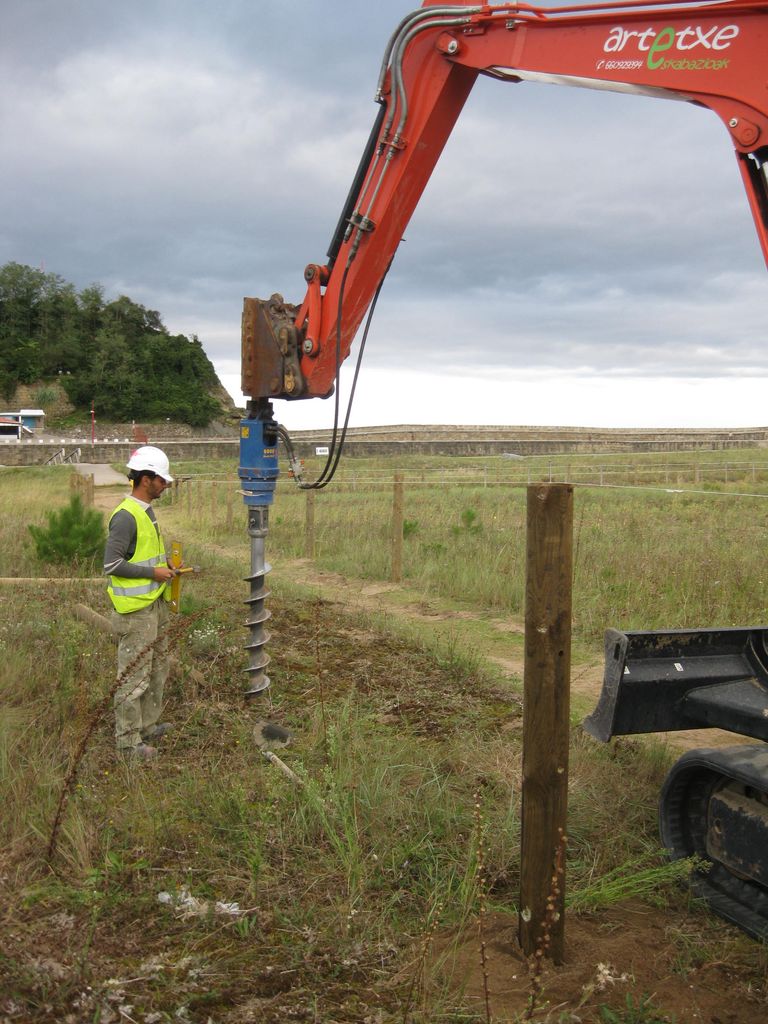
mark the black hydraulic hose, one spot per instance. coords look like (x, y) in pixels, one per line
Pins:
(357, 184)
(343, 437)
(337, 443)
(321, 481)
(757, 168)
(317, 484)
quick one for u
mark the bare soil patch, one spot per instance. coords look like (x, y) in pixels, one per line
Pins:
(625, 952)
(586, 677)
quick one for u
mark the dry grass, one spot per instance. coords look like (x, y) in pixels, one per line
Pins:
(335, 878)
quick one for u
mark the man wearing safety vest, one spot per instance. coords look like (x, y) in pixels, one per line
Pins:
(139, 574)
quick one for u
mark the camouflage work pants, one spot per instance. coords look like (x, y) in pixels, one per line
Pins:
(138, 699)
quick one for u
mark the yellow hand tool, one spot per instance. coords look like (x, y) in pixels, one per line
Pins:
(176, 564)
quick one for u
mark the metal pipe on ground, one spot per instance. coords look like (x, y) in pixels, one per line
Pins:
(86, 614)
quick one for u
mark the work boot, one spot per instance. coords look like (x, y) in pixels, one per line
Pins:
(141, 752)
(156, 732)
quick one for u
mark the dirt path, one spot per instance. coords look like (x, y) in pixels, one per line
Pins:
(499, 641)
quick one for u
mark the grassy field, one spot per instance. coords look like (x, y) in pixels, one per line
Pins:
(211, 887)
(647, 555)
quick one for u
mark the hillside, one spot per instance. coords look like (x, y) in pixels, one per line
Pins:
(115, 355)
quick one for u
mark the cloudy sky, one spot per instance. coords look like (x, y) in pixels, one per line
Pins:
(578, 258)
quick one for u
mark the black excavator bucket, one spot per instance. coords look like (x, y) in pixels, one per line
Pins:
(683, 679)
(714, 803)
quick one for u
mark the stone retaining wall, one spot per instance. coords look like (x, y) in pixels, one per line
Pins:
(33, 452)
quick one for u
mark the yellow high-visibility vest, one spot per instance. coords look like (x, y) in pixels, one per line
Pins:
(130, 595)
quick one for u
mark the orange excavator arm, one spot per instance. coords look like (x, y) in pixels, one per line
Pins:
(714, 55)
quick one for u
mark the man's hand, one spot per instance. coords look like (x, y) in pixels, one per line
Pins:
(163, 573)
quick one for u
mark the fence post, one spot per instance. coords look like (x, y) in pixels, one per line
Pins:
(189, 497)
(229, 510)
(549, 572)
(397, 529)
(309, 529)
(89, 490)
(214, 502)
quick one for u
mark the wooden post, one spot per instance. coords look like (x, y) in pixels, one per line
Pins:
(189, 497)
(547, 667)
(89, 490)
(214, 501)
(397, 529)
(230, 520)
(309, 527)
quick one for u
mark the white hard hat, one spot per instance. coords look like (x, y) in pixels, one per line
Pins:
(153, 459)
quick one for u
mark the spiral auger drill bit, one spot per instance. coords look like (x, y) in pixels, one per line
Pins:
(258, 474)
(258, 659)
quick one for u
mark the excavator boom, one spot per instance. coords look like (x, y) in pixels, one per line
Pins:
(712, 55)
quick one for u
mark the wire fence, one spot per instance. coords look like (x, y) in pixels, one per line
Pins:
(651, 550)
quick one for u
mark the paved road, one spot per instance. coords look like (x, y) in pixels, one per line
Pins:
(103, 474)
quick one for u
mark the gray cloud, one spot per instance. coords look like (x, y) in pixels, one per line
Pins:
(188, 155)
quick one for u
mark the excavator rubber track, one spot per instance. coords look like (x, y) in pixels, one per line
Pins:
(714, 806)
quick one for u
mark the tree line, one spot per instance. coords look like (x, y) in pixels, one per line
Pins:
(118, 354)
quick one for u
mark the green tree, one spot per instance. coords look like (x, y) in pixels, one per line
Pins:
(20, 290)
(117, 354)
(112, 379)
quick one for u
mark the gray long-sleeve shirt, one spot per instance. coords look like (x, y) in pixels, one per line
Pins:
(121, 543)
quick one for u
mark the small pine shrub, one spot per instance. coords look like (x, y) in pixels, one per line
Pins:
(410, 526)
(75, 535)
(469, 523)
